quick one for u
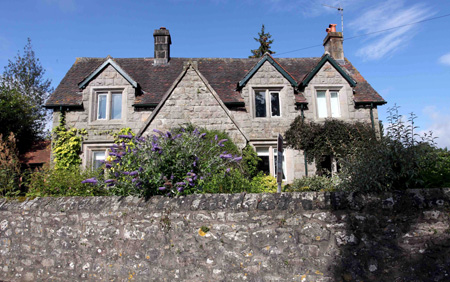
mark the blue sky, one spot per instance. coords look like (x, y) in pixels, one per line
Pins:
(408, 66)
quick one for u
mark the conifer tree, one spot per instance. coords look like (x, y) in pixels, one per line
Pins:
(264, 41)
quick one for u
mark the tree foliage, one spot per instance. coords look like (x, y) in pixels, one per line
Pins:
(23, 78)
(264, 41)
(17, 116)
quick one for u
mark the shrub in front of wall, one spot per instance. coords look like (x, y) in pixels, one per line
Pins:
(176, 162)
(262, 183)
(50, 182)
(230, 181)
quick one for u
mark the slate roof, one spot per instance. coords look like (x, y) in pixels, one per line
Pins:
(223, 75)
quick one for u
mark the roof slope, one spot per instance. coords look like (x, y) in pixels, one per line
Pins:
(223, 75)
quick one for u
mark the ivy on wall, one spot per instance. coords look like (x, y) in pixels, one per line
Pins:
(67, 145)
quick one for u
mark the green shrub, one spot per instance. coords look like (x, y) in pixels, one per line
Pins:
(436, 169)
(63, 182)
(396, 161)
(314, 183)
(233, 181)
(250, 161)
(262, 183)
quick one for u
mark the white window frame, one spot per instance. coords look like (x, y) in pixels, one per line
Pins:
(109, 104)
(268, 101)
(89, 153)
(108, 91)
(271, 151)
(328, 101)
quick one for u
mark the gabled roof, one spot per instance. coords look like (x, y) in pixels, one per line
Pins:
(327, 58)
(267, 58)
(108, 62)
(222, 75)
(170, 91)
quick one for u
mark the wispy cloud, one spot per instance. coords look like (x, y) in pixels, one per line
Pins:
(63, 5)
(385, 15)
(440, 126)
(445, 59)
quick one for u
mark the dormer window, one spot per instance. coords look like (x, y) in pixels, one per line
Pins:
(267, 103)
(108, 105)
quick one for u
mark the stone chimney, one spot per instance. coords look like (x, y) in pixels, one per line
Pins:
(333, 43)
(162, 46)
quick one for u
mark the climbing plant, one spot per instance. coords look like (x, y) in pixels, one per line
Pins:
(67, 145)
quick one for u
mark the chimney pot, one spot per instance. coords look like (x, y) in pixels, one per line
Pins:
(333, 43)
(332, 27)
(162, 27)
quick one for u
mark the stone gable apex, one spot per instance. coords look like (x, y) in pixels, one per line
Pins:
(192, 100)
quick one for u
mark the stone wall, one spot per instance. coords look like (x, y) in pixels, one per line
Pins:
(400, 236)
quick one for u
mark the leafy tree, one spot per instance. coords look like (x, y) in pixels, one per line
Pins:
(25, 76)
(264, 41)
(17, 116)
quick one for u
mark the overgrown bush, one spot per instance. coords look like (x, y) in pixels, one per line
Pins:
(332, 137)
(63, 182)
(436, 172)
(394, 162)
(9, 167)
(176, 162)
(314, 183)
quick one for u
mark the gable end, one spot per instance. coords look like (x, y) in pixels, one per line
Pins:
(110, 61)
(315, 70)
(274, 63)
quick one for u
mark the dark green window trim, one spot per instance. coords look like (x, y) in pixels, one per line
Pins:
(267, 57)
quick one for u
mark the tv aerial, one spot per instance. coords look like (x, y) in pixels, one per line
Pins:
(341, 11)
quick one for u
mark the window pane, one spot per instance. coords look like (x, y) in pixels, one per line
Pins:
(275, 104)
(264, 163)
(116, 106)
(334, 100)
(98, 158)
(321, 104)
(260, 104)
(101, 110)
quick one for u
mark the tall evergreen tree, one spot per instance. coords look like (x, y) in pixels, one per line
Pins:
(23, 83)
(264, 41)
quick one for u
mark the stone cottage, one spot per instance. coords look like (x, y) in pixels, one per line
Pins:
(253, 100)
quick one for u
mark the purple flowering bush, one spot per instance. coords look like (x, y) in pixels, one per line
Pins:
(176, 162)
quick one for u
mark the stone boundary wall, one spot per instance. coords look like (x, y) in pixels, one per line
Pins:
(399, 236)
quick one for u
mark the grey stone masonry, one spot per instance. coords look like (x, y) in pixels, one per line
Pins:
(191, 101)
(338, 236)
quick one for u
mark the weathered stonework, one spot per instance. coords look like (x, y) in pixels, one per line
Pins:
(398, 236)
(191, 101)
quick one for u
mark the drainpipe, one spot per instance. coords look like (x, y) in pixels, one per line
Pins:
(371, 117)
(304, 152)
